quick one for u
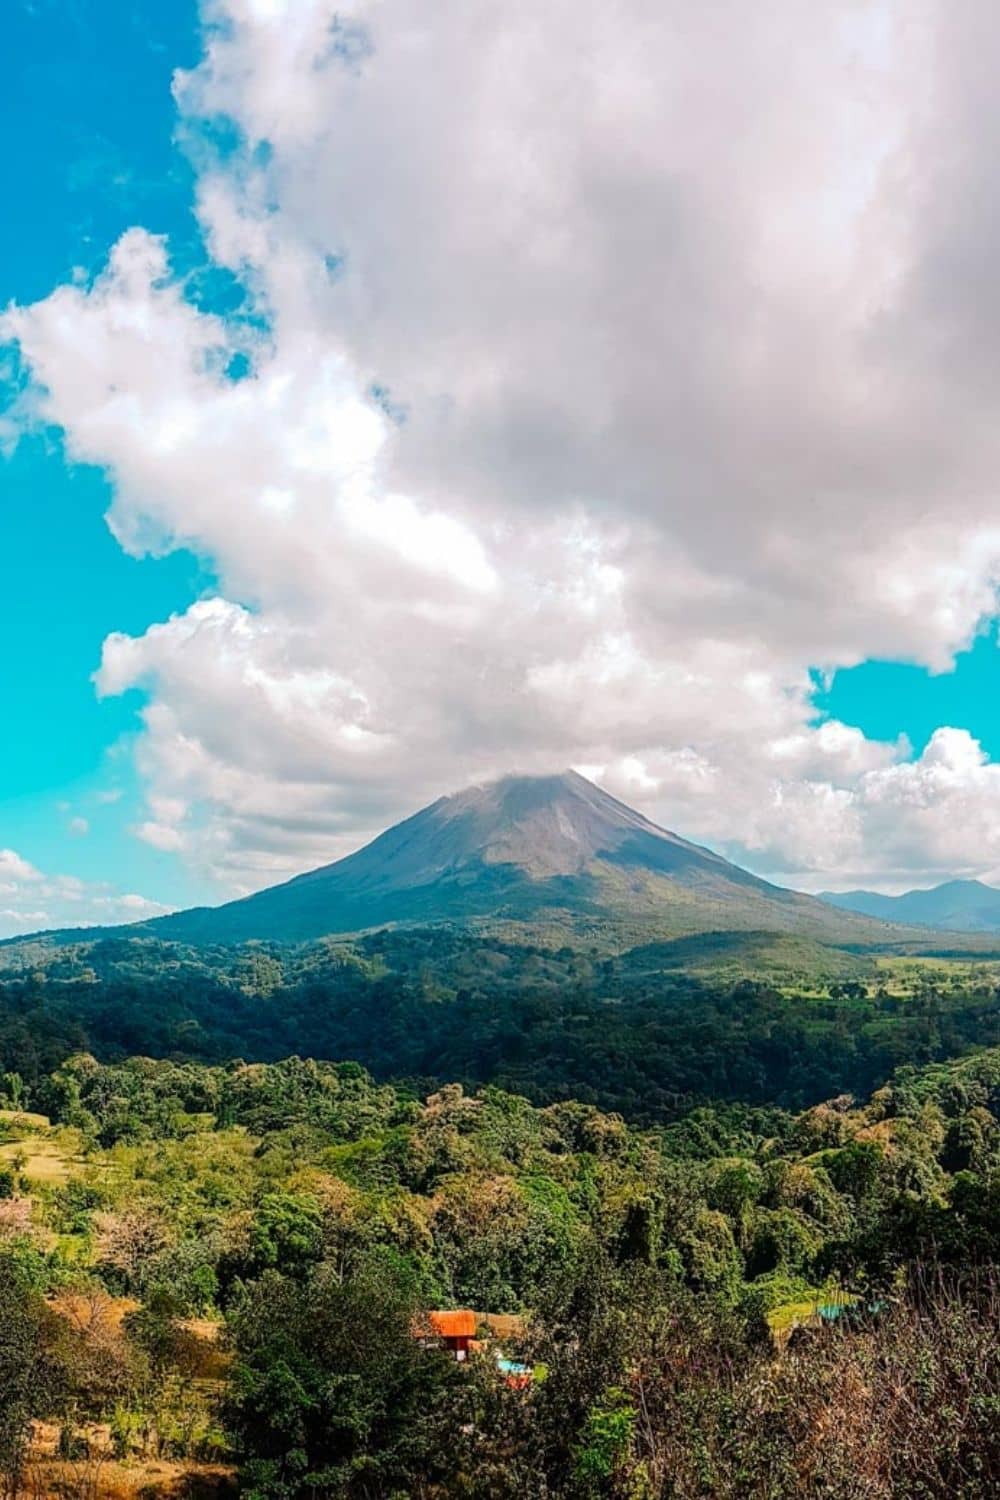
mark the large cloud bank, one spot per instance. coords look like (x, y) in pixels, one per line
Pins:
(603, 371)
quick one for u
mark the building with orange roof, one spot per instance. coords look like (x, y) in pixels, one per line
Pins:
(459, 1330)
(456, 1328)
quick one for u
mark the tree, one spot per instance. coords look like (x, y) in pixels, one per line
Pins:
(129, 1241)
(605, 1440)
(331, 1392)
(29, 1376)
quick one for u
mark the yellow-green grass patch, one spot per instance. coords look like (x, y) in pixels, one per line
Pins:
(23, 1119)
(42, 1161)
(788, 1315)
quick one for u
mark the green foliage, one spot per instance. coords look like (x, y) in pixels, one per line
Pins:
(332, 1393)
(29, 1373)
(287, 1231)
(636, 1030)
(856, 1169)
(317, 1212)
(608, 1431)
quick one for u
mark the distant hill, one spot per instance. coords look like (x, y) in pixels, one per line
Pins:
(957, 906)
(525, 849)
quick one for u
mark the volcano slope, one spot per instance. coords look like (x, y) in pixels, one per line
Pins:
(545, 851)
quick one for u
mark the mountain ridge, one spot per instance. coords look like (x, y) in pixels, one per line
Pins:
(953, 906)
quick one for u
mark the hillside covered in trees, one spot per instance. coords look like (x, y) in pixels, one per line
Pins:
(218, 1273)
(714, 1222)
(650, 1031)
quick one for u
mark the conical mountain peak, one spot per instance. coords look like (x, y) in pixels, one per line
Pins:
(547, 825)
(541, 849)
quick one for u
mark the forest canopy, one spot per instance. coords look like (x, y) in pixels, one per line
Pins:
(223, 1267)
(637, 1032)
(711, 1222)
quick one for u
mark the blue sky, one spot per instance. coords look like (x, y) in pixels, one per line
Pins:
(88, 115)
(887, 699)
(558, 556)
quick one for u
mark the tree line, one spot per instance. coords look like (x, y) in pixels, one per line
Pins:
(627, 1032)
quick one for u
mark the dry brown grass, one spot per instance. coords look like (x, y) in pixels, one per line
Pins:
(101, 1478)
(23, 1119)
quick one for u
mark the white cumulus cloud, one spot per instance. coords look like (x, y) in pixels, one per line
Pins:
(612, 368)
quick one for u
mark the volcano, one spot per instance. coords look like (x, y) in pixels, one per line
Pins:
(524, 849)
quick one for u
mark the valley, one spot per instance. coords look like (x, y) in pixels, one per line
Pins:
(218, 1236)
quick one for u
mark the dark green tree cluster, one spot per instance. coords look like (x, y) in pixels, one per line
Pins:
(634, 1031)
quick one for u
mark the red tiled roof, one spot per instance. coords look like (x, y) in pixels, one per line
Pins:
(453, 1325)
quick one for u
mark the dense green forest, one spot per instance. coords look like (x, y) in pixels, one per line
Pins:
(222, 1270)
(741, 1234)
(636, 1032)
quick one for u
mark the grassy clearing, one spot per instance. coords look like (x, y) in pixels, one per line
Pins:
(45, 1160)
(42, 1161)
(789, 1315)
(781, 1320)
(900, 975)
(23, 1119)
(153, 1479)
